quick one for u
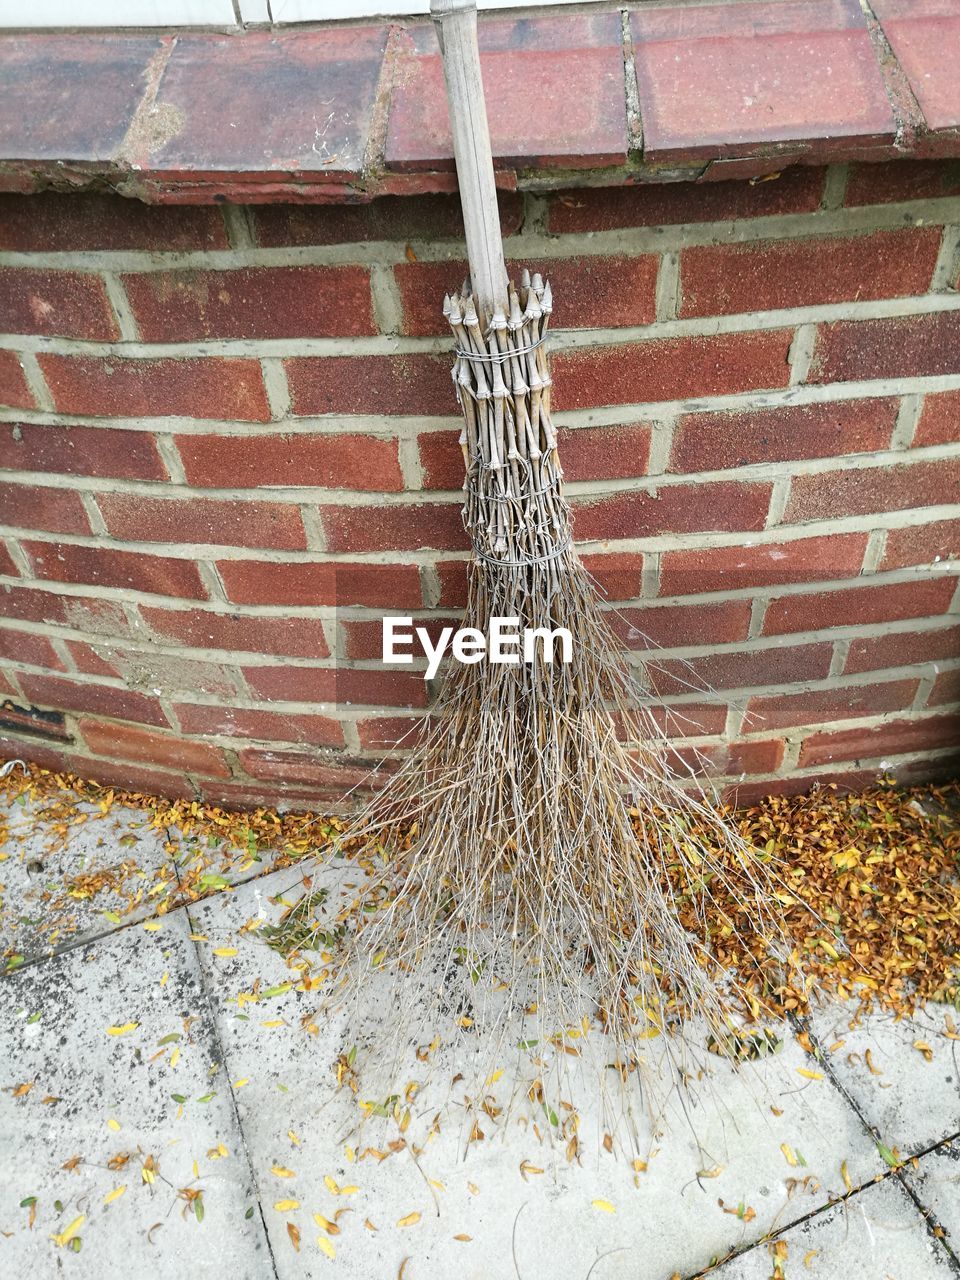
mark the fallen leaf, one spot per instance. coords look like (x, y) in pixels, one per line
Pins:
(603, 1205)
(281, 1172)
(115, 1194)
(463, 1236)
(809, 1075)
(293, 1232)
(66, 1236)
(228, 951)
(284, 1206)
(324, 1245)
(788, 1154)
(410, 1220)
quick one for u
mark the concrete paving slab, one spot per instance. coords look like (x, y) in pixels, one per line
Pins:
(512, 1194)
(908, 1088)
(877, 1234)
(936, 1184)
(97, 1045)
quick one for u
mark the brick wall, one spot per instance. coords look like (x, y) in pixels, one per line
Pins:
(229, 444)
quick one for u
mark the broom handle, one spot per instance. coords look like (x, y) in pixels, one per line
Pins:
(456, 23)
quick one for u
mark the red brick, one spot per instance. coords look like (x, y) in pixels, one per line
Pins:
(361, 686)
(340, 461)
(80, 451)
(754, 756)
(822, 706)
(924, 37)
(671, 369)
(102, 700)
(289, 766)
(673, 626)
(131, 777)
(106, 567)
(415, 217)
(418, 384)
(441, 458)
(386, 732)
(902, 649)
(618, 574)
(922, 544)
(194, 387)
(267, 726)
(35, 651)
(716, 441)
(396, 586)
(243, 796)
(57, 303)
(55, 222)
(873, 489)
(858, 606)
(897, 180)
(364, 639)
(223, 522)
(751, 670)
(650, 204)
(7, 565)
(689, 719)
(97, 617)
(251, 302)
(453, 583)
(946, 689)
(842, 781)
(89, 661)
(394, 528)
(6, 686)
(50, 725)
(756, 564)
(896, 347)
(681, 508)
(588, 292)
(33, 752)
(734, 278)
(198, 629)
(939, 419)
(13, 385)
(42, 507)
(896, 738)
(147, 669)
(105, 738)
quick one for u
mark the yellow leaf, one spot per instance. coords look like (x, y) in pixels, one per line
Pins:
(225, 951)
(714, 1172)
(846, 1176)
(639, 1166)
(494, 1076)
(152, 925)
(331, 1228)
(526, 1167)
(290, 1134)
(326, 1247)
(123, 1030)
(348, 1191)
(66, 1236)
(163, 980)
(115, 1194)
(809, 1256)
(922, 1047)
(199, 937)
(410, 1220)
(434, 1183)
(293, 1232)
(274, 1022)
(810, 1075)
(284, 1206)
(331, 1185)
(603, 1205)
(175, 1056)
(788, 1155)
(114, 1125)
(463, 1236)
(238, 1084)
(281, 1172)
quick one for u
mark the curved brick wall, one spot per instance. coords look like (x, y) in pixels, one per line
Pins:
(230, 444)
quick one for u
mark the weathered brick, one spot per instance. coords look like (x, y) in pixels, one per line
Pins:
(29, 749)
(858, 606)
(394, 528)
(922, 544)
(364, 639)
(200, 629)
(107, 567)
(895, 347)
(149, 670)
(90, 662)
(64, 304)
(681, 508)
(195, 387)
(902, 649)
(130, 777)
(107, 738)
(418, 384)
(35, 651)
(671, 369)
(416, 217)
(266, 726)
(13, 385)
(730, 279)
(867, 490)
(6, 686)
(80, 451)
(822, 706)
(382, 733)
(55, 222)
(589, 292)
(42, 507)
(745, 670)
(676, 626)
(34, 721)
(757, 564)
(945, 689)
(898, 737)
(716, 441)
(939, 419)
(618, 574)
(327, 461)
(290, 766)
(370, 687)
(689, 719)
(795, 190)
(753, 756)
(325, 583)
(896, 180)
(97, 617)
(7, 565)
(96, 699)
(841, 781)
(222, 522)
(251, 302)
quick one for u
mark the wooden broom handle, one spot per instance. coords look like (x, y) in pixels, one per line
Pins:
(456, 23)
